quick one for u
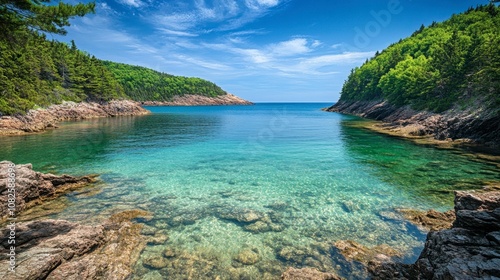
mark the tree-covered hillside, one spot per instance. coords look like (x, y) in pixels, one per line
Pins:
(143, 84)
(36, 72)
(448, 63)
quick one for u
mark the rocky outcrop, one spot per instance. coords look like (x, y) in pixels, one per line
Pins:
(196, 100)
(479, 126)
(41, 119)
(469, 250)
(58, 249)
(431, 219)
(31, 187)
(307, 274)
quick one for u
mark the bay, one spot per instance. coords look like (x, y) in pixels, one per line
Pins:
(246, 191)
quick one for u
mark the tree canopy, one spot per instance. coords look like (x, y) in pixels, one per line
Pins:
(143, 84)
(40, 15)
(444, 64)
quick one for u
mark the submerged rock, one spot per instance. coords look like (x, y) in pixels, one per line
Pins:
(307, 274)
(34, 187)
(431, 219)
(352, 250)
(247, 257)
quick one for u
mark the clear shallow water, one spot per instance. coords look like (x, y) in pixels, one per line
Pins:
(282, 182)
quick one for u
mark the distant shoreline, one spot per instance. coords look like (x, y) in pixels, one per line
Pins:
(39, 120)
(199, 100)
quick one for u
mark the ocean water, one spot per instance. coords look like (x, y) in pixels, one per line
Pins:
(242, 192)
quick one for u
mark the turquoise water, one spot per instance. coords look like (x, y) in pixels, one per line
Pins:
(281, 181)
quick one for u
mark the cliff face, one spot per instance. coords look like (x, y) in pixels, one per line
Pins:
(473, 125)
(41, 119)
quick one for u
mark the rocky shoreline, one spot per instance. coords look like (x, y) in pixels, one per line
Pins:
(199, 100)
(41, 119)
(33, 188)
(460, 126)
(470, 249)
(59, 249)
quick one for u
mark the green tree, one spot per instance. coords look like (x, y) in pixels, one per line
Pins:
(40, 15)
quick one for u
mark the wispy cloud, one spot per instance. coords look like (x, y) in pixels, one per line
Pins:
(176, 33)
(132, 3)
(290, 48)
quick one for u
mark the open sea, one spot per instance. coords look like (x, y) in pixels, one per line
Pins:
(243, 192)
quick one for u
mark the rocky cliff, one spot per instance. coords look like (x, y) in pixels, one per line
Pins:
(478, 126)
(41, 119)
(469, 250)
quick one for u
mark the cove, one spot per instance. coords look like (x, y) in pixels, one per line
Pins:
(246, 191)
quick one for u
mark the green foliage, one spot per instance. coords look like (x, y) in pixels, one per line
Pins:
(35, 72)
(39, 72)
(41, 15)
(437, 66)
(143, 84)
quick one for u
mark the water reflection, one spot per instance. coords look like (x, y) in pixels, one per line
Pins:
(426, 173)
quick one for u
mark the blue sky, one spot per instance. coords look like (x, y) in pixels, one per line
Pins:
(261, 50)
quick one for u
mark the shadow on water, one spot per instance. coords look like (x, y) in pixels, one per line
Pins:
(423, 172)
(82, 143)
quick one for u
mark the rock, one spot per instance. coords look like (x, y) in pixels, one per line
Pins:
(155, 262)
(148, 230)
(169, 253)
(159, 238)
(480, 125)
(469, 250)
(292, 254)
(488, 200)
(41, 119)
(191, 100)
(247, 257)
(257, 227)
(352, 250)
(429, 220)
(34, 187)
(57, 249)
(307, 274)
(242, 216)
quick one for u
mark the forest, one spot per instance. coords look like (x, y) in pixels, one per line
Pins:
(143, 84)
(36, 72)
(453, 63)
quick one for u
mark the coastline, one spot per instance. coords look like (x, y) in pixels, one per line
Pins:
(39, 120)
(199, 100)
(479, 129)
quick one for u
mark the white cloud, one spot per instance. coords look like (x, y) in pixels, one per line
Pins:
(176, 33)
(260, 4)
(290, 48)
(203, 63)
(133, 3)
(316, 43)
(179, 21)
